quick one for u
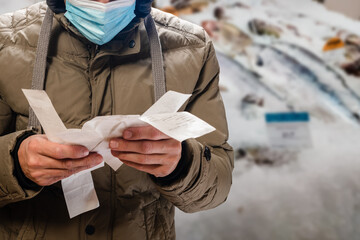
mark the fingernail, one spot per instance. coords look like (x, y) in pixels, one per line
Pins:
(85, 153)
(127, 134)
(114, 144)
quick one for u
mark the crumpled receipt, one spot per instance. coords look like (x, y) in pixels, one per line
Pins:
(79, 191)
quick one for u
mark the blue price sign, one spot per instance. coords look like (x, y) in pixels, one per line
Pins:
(289, 130)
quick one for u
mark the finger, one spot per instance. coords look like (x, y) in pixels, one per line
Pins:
(145, 159)
(44, 162)
(151, 169)
(51, 176)
(144, 133)
(146, 146)
(156, 170)
(88, 162)
(55, 150)
(51, 181)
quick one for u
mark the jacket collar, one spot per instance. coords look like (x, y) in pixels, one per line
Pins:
(127, 42)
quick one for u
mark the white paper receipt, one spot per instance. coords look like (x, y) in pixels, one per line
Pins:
(79, 191)
(180, 126)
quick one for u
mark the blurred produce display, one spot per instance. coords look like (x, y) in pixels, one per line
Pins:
(284, 56)
(291, 56)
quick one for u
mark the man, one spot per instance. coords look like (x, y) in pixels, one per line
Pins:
(105, 69)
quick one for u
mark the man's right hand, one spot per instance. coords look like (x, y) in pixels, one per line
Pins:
(45, 162)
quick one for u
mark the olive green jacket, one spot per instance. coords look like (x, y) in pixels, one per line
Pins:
(83, 81)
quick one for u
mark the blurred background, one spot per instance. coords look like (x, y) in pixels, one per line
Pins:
(290, 81)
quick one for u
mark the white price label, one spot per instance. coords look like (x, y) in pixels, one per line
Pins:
(289, 130)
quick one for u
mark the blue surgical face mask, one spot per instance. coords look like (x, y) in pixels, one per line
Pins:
(100, 22)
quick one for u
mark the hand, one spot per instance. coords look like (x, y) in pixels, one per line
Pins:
(148, 150)
(45, 162)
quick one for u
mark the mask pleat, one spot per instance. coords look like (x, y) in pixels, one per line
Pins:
(99, 23)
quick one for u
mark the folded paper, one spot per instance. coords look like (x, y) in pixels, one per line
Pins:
(79, 191)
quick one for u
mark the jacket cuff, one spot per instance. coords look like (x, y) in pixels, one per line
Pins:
(180, 171)
(195, 165)
(207, 181)
(24, 182)
(10, 189)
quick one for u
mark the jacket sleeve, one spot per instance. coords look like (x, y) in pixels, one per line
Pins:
(10, 189)
(206, 181)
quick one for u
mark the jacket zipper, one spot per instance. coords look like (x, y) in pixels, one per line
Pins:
(93, 52)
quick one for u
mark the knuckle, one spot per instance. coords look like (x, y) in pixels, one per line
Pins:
(58, 152)
(154, 133)
(68, 164)
(33, 145)
(34, 162)
(146, 147)
(136, 132)
(164, 147)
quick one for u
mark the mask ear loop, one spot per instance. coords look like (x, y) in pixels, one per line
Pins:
(156, 58)
(38, 78)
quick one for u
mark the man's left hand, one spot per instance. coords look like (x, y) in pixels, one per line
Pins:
(148, 150)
